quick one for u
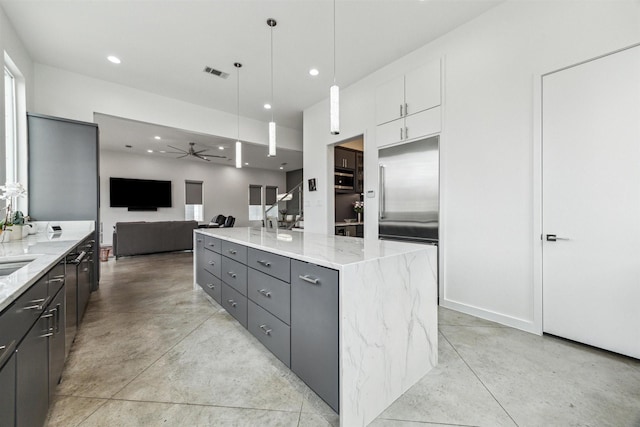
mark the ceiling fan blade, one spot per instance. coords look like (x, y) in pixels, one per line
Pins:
(213, 155)
(179, 149)
(201, 151)
(200, 157)
(183, 156)
(174, 152)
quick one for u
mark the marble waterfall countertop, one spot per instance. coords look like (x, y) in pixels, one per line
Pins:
(325, 250)
(46, 250)
(388, 326)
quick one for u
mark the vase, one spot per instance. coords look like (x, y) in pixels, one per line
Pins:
(16, 232)
(359, 216)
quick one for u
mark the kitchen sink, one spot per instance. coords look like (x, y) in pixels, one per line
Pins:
(11, 264)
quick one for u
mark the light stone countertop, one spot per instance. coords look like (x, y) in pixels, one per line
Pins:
(325, 250)
(343, 224)
(47, 248)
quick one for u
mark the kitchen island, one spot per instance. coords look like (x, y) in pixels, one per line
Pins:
(355, 319)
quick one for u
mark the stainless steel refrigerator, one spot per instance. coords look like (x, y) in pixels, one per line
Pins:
(409, 191)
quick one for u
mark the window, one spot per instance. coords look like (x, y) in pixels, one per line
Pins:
(193, 207)
(255, 203)
(11, 143)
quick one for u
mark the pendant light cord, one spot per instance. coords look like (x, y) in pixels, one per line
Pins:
(334, 41)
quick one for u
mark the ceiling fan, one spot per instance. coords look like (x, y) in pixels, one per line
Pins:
(193, 153)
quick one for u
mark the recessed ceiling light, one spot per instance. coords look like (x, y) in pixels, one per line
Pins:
(114, 59)
(314, 72)
(281, 167)
(149, 151)
(221, 148)
(267, 106)
(246, 164)
(156, 137)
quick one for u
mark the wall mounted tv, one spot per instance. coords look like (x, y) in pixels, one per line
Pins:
(139, 194)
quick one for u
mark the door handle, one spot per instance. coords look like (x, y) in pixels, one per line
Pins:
(554, 238)
(381, 193)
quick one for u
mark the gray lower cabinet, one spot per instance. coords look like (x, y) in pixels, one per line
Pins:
(212, 262)
(32, 375)
(212, 286)
(8, 386)
(272, 332)
(234, 274)
(235, 303)
(315, 329)
(56, 340)
(271, 294)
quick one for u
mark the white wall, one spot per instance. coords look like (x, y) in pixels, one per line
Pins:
(226, 189)
(74, 96)
(487, 150)
(13, 46)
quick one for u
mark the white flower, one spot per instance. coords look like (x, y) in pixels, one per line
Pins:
(11, 190)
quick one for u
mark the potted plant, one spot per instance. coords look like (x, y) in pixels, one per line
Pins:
(11, 191)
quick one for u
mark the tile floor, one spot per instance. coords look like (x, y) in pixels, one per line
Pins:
(152, 351)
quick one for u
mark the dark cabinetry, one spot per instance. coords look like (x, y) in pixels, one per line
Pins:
(56, 340)
(359, 187)
(7, 386)
(345, 158)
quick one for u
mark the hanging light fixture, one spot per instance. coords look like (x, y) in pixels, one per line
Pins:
(272, 124)
(334, 91)
(238, 143)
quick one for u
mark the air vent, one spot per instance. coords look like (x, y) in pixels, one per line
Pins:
(215, 72)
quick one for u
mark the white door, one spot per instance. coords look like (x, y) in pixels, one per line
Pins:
(591, 198)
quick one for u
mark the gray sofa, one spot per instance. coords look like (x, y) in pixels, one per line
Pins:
(136, 238)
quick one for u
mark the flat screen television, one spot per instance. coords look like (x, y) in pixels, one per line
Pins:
(139, 194)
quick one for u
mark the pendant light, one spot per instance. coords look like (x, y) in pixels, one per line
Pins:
(272, 124)
(334, 91)
(238, 143)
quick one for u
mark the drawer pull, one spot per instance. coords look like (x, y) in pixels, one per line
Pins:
(265, 263)
(212, 263)
(39, 304)
(7, 351)
(265, 329)
(233, 251)
(232, 274)
(212, 244)
(306, 278)
(265, 292)
(56, 280)
(211, 286)
(198, 240)
(232, 303)
(49, 334)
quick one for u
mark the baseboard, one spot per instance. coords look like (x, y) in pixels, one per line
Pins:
(513, 322)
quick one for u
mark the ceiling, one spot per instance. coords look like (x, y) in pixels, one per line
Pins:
(116, 133)
(164, 46)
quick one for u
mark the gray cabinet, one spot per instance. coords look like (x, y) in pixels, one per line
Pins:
(199, 259)
(212, 286)
(315, 329)
(235, 303)
(272, 332)
(234, 274)
(270, 293)
(212, 262)
(274, 265)
(7, 386)
(32, 375)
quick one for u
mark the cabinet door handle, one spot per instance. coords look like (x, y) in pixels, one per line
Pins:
(58, 310)
(265, 329)
(198, 240)
(211, 286)
(401, 110)
(48, 334)
(406, 109)
(265, 263)
(232, 274)
(309, 279)
(212, 244)
(232, 303)
(406, 133)
(56, 280)
(233, 251)
(401, 138)
(38, 304)
(265, 292)
(381, 193)
(212, 263)
(7, 351)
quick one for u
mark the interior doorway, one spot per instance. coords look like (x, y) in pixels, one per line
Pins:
(591, 202)
(349, 187)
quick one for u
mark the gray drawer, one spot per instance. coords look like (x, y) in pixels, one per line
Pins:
(212, 286)
(235, 251)
(271, 332)
(272, 264)
(271, 294)
(234, 274)
(235, 303)
(56, 278)
(212, 243)
(18, 318)
(212, 262)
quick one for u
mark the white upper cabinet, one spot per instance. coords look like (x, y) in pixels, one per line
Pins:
(390, 101)
(408, 107)
(422, 88)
